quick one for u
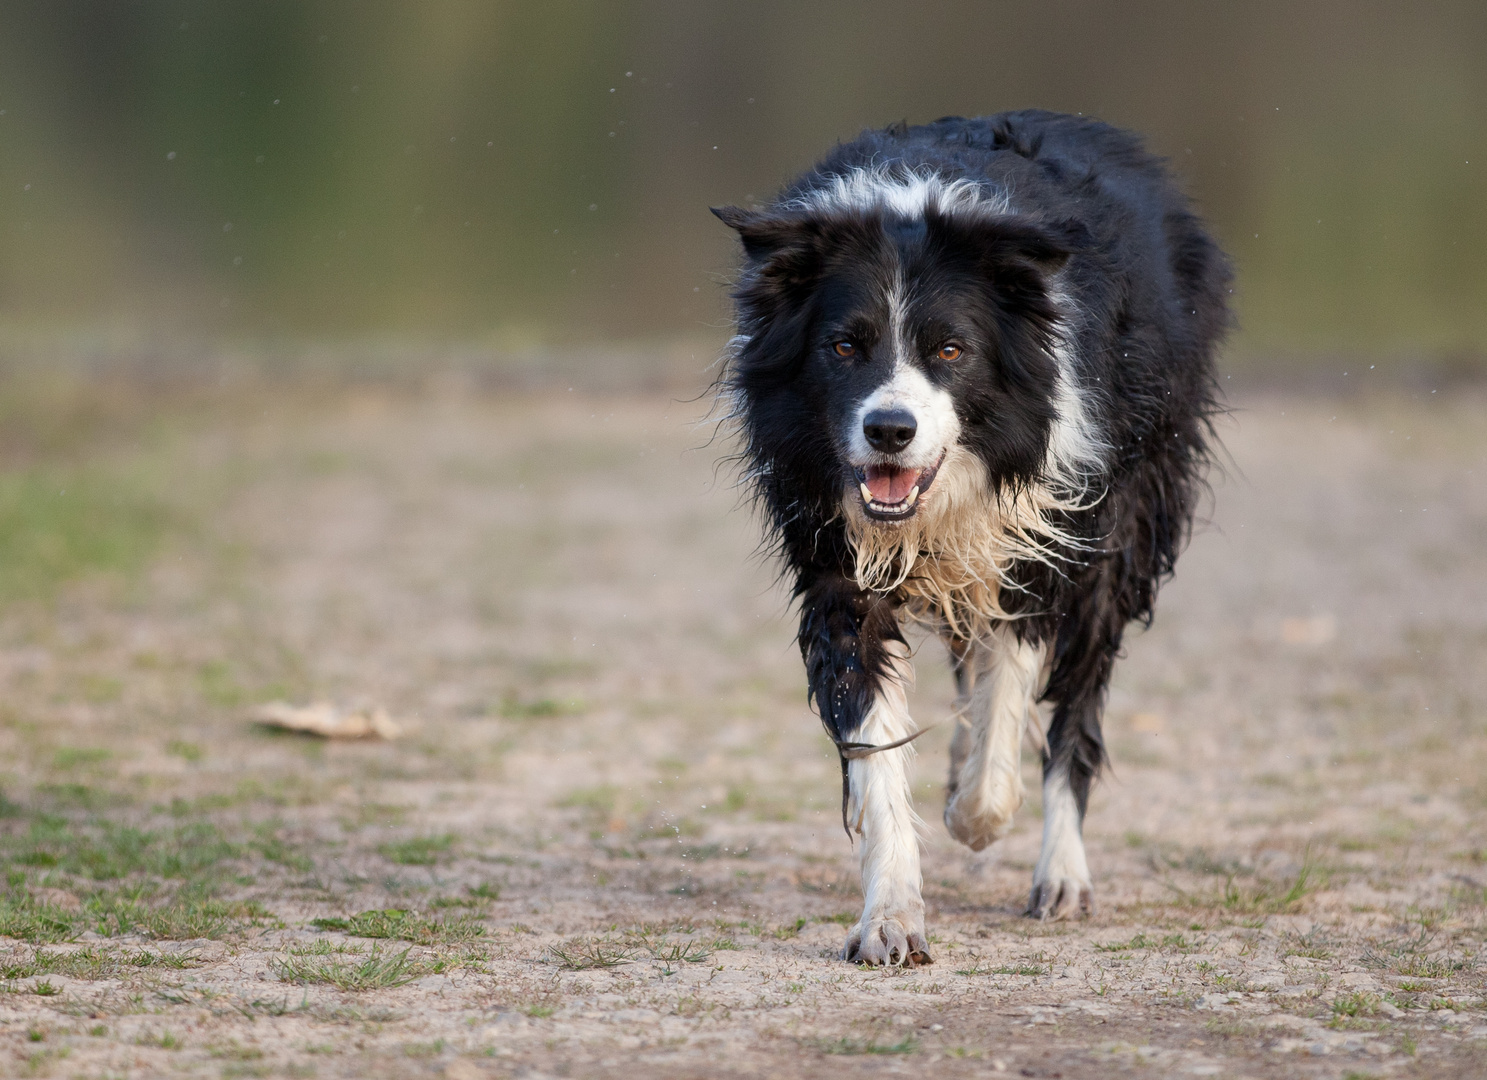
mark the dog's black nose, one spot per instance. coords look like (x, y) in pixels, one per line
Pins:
(889, 430)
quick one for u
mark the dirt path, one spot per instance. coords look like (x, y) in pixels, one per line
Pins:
(610, 838)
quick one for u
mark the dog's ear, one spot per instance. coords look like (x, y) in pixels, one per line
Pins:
(1016, 257)
(1044, 246)
(735, 217)
(784, 249)
(763, 233)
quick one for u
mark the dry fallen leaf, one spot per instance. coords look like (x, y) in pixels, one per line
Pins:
(1312, 630)
(1148, 723)
(325, 720)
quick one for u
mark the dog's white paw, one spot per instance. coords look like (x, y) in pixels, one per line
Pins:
(888, 940)
(1061, 896)
(1061, 884)
(978, 817)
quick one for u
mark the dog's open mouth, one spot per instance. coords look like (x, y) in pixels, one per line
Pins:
(892, 493)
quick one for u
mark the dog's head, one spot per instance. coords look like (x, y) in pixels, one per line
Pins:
(881, 339)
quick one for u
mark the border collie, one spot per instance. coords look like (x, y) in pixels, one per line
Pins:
(973, 378)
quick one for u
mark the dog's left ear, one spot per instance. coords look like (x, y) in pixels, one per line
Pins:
(1047, 246)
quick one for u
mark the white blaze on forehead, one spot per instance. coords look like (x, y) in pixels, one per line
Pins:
(909, 388)
(898, 318)
(904, 191)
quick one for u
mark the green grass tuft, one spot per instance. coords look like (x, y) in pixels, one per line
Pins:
(401, 925)
(513, 708)
(844, 1045)
(91, 963)
(59, 524)
(37, 922)
(192, 919)
(1265, 898)
(682, 952)
(73, 757)
(115, 912)
(585, 954)
(1357, 1004)
(1170, 942)
(186, 751)
(377, 971)
(105, 850)
(1312, 946)
(418, 850)
(1428, 967)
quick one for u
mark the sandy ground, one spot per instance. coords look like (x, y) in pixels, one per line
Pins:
(613, 822)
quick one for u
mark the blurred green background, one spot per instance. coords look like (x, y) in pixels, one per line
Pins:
(531, 174)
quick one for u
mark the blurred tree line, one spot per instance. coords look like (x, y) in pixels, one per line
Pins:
(541, 171)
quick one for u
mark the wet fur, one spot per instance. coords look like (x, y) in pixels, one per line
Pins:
(1092, 301)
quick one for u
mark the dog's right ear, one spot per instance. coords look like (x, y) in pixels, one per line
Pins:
(763, 233)
(735, 217)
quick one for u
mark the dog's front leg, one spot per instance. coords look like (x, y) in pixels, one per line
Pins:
(1000, 676)
(858, 667)
(880, 809)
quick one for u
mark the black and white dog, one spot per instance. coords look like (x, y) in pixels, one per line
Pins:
(974, 377)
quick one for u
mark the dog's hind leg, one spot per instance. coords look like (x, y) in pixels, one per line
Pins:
(880, 809)
(998, 681)
(1074, 753)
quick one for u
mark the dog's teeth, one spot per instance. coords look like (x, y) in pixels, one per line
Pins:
(867, 495)
(913, 494)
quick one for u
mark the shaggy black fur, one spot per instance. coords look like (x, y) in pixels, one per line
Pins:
(1093, 214)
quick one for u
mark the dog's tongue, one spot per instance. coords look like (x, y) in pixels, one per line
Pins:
(890, 485)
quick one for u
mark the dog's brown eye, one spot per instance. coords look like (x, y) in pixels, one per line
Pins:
(845, 348)
(949, 352)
